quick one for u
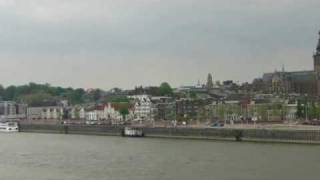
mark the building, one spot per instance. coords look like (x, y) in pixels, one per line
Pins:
(291, 111)
(299, 82)
(95, 114)
(12, 110)
(77, 113)
(112, 111)
(8, 108)
(209, 84)
(143, 108)
(266, 111)
(188, 108)
(316, 60)
(21, 109)
(150, 90)
(263, 109)
(48, 112)
(165, 108)
(230, 111)
(34, 113)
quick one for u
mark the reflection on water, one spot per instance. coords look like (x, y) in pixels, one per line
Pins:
(75, 157)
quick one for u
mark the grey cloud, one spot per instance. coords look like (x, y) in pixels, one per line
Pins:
(147, 41)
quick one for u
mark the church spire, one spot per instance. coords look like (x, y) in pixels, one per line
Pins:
(318, 47)
(209, 84)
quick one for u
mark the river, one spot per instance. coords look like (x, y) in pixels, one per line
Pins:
(77, 157)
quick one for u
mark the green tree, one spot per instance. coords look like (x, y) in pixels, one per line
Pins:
(165, 89)
(95, 95)
(2, 90)
(313, 112)
(221, 110)
(203, 114)
(117, 99)
(318, 110)
(300, 110)
(10, 93)
(75, 96)
(193, 95)
(262, 111)
(124, 111)
(38, 99)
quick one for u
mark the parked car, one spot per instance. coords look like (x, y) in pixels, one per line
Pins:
(314, 122)
(218, 124)
(91, 122)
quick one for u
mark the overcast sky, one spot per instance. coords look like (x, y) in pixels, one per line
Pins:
(123, 43)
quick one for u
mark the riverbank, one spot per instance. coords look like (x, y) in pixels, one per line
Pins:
(226, 134)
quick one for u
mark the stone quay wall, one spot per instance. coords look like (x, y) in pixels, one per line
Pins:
(255, 135)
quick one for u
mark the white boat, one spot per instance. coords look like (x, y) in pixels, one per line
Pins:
(132, 132)
(9, 127)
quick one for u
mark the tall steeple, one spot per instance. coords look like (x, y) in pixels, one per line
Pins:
(316, 61)
(283, 68)
(318, 47)
(316, 58)
(209, 84)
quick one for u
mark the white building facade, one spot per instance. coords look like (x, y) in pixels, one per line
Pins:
(12, 110)
(52, 112)
(77, 113)
(143, 108)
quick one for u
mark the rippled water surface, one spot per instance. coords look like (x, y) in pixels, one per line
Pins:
(76, 157)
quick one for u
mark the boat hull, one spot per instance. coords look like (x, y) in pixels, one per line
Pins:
(130, 132)
(9, 127)
(9, 131)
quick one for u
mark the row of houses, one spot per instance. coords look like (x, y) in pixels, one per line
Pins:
(12, 110)
(209, 109)
(254, 110)
(140, 108)
(109, 111)
(161, 108)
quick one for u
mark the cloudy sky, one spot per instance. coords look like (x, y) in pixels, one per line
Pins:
(123, 43)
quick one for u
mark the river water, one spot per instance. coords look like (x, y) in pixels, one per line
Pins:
(76, 157)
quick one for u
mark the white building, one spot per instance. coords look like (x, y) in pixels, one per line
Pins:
(12, 110)
(94, 115)
(49, 112)
(35, 113)
(143, 107)
(82, 113)
(77, 112)
(291, 111)
(112, 112)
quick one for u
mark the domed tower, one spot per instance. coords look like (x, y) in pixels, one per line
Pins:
(316, 60)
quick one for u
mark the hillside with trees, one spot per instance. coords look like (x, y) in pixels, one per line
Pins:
(45, 94)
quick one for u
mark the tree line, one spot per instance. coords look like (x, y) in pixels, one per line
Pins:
(45, 94)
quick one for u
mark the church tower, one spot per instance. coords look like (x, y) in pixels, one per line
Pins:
(209, 84)
(316, 61)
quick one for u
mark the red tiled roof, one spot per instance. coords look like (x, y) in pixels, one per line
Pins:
(100, 107)
(118, 106)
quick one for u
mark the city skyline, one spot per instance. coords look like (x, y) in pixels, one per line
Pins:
(106, 44)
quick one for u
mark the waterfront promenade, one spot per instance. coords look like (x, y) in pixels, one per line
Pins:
(254, 133)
